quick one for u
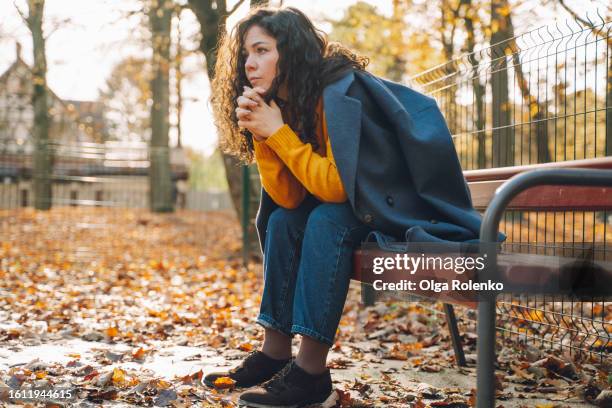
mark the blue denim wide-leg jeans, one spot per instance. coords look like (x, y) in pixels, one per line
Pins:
(308, 266)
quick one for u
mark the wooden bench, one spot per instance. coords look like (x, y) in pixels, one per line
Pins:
(583, 185)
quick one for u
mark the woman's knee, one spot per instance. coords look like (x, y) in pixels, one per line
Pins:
(333, 220)
(283, 220)
(338, 215)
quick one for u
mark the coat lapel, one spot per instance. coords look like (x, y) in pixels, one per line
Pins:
(343, 117)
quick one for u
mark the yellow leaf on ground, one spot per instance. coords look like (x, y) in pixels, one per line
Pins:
(224, 382)
(118, 376)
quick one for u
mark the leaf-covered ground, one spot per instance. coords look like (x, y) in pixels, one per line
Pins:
(132, 308)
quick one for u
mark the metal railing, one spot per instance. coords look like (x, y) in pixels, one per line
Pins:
(85, 174)
(542, 96)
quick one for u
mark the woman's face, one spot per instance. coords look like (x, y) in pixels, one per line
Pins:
(261, 57)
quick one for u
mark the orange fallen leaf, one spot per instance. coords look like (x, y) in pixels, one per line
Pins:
(412, 346)
(344, 398)
(190, 378)
(40, 374)
(224, 383)
(112, 332)
(419, 404)
(139, 354)
(197, 375)
(246, 347)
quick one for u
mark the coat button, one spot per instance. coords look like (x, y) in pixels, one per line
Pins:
(390, 201)
(368, 218)
(434, 221)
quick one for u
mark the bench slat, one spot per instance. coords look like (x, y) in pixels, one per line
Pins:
(504, 173)
(545, 198)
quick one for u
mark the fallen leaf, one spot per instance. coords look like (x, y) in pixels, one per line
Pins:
(102, 395)
(339, 364)
(224, 383)
(118, 376)
(90, 375)
(246, 347)
(112, 332)
(164, 398)
(104, 379)
(139, 354)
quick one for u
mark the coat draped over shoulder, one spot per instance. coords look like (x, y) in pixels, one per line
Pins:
(397, 163)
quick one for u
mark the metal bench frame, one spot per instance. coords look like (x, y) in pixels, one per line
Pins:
(486, 331)
(548, 179)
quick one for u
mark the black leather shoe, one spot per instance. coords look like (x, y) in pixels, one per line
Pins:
(292, 387)
(254, 369)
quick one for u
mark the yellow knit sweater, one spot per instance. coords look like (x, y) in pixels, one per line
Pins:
(288, 167)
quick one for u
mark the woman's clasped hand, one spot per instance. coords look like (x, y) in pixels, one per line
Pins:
(255, 115)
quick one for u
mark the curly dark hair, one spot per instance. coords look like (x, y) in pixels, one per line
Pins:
(307, 61)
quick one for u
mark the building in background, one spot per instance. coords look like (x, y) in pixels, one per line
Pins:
(88, 168)
(17, 114)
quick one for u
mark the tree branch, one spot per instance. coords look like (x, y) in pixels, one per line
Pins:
(229, 13)
(23, 16)
(582, 21)
(57, 25)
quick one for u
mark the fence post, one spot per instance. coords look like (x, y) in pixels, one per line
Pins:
(42, 167)
(245, 214)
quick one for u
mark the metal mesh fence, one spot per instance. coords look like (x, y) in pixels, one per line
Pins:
(80, 174)
(543, 96)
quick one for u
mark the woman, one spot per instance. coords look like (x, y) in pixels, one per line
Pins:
(341, 154)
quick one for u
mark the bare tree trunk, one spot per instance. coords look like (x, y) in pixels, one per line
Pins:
(503, 135)
(537, 113)
(178, 74)
(478, 88)
(398, 68)
(43, 159)
(160, 175)
(447, 16)
(609, 102)
(605, 34)
(537, 110)
(212, 24)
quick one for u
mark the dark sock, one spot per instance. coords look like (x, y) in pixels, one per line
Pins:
(305, 375)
